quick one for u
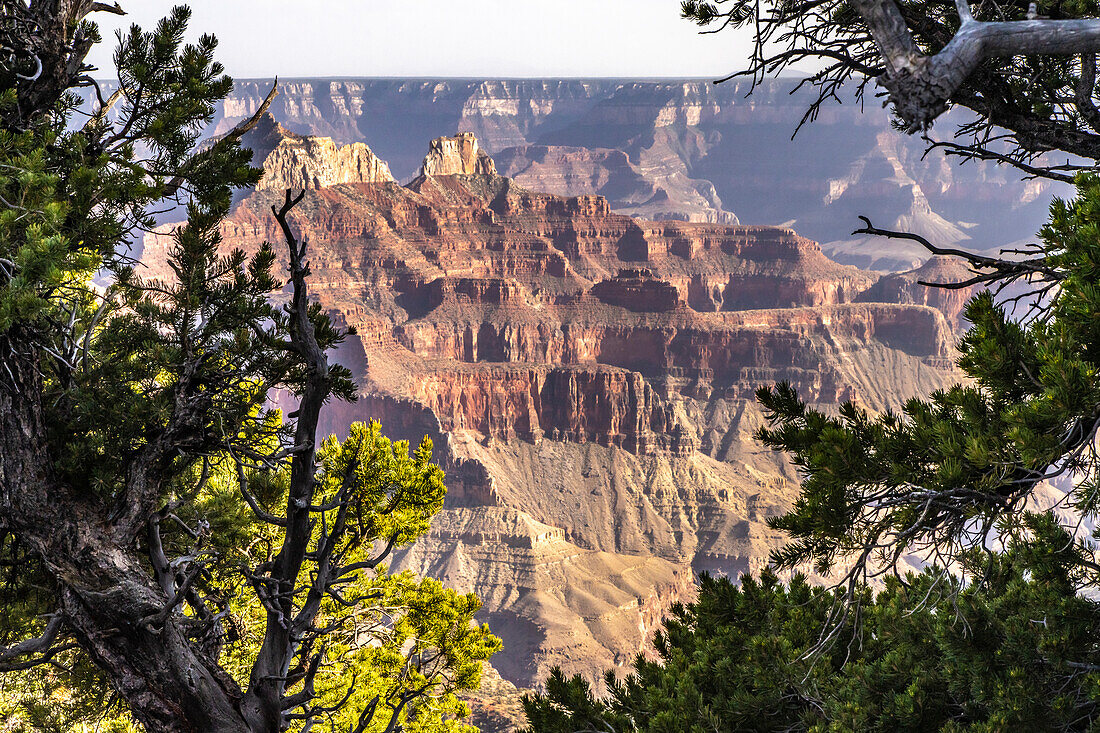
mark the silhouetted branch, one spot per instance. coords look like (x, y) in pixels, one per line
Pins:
(39, 645)
(998, 269)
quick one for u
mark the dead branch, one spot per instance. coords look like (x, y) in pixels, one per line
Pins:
(282, 636)
(224, 141)
(39, 645)
(987, 269)
(920, 86)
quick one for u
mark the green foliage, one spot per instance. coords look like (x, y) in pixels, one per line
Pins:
(72, 195)
(154, 393)
(955, 469)
(46, 699)
(75, 700)
(1016, 653)
(414, 635)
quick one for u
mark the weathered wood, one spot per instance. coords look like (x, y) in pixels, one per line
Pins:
(106, 593)
(262, 707)
(921, 86)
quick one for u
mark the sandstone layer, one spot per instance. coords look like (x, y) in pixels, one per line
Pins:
(457, 156)
(683, 150)
(312, 162)
(587, 380)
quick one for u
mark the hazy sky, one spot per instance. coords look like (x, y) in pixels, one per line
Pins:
(491, 38)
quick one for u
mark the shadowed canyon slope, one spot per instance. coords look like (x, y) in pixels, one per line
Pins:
(682, 150)
(587, 378)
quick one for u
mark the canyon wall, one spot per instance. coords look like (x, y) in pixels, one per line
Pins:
(586, 378)
(683, 150)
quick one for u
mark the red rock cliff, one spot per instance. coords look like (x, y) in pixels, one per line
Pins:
(593, 373)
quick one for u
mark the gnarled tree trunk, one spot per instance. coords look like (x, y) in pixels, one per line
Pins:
(107, 598)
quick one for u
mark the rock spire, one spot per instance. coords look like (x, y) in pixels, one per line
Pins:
(458, 155)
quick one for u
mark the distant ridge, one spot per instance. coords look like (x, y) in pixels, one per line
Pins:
(677, 149)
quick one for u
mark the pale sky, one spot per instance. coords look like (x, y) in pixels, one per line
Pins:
(478, 38)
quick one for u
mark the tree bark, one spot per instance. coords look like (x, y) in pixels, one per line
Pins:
(168, 687)
(107, 594)
(920, 86)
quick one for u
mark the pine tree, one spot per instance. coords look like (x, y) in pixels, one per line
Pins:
(958, 469)
(1017, 652)
(175, 553)
(999, 632)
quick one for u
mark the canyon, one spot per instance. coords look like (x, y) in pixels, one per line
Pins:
(683, 150)
(587, 378)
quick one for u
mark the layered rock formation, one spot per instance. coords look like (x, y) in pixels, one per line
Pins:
(300, 161)
(536, 586)
(918, 286)
(683, 150)
(630, 188)
(457, 156)
(316, 162)
(587, 379)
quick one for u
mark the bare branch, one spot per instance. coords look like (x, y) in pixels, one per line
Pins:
(921, 86)
(976, 151)
(282, 635)
(1084, 91)
(996, 268)
(253, 504)
(105, 107)
(37, 645)
(161, 567)
(115, 9)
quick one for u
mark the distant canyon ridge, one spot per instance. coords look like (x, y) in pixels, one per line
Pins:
(575, 287)
(688, 150)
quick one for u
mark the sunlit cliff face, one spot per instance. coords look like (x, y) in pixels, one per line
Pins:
(587, 378)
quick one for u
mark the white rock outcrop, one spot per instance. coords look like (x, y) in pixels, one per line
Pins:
(316, 162)
(459, 155)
